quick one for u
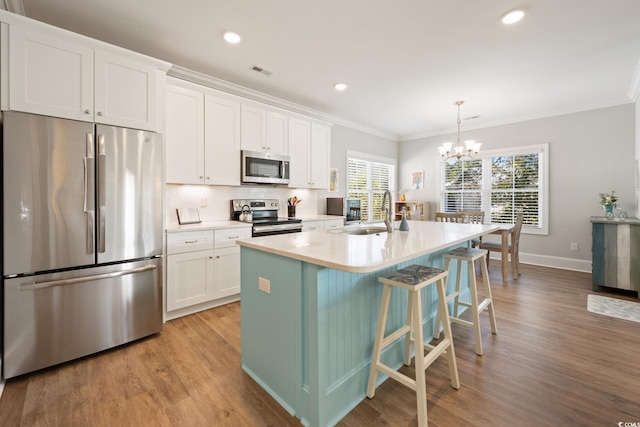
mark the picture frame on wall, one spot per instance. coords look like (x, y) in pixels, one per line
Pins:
(333, 180)
(417, 180)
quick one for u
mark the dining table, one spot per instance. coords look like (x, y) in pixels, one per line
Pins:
(505, 231)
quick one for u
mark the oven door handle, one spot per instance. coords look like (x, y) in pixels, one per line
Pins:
(277, 227)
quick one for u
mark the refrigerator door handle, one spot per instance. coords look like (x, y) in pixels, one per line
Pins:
(50, 284)
(102, 192)
(89, 191)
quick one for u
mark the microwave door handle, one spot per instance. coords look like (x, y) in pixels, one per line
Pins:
(89, 191)
(282, 169)
(102, 196)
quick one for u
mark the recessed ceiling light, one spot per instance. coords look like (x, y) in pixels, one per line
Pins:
(340, 86)
(231, 37)
(512, 16)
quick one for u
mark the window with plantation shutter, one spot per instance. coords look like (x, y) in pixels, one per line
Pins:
(367, 179)
(502, 184)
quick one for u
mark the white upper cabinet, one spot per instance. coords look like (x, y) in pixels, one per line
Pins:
(184, 135)
(263, 130)
(319, 155)
(277, 133)
(50, 76)
(299, 143)
(202, 135)
(57, 73)
(309, 144)
(222, 140)
(125, 92)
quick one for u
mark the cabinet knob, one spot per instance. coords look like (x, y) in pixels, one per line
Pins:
(211, 257)
(201, 177)
(87, 111)
(217, 256)
(208, 177)
(99, 113)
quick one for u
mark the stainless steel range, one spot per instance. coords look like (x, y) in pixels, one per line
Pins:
(263, 214)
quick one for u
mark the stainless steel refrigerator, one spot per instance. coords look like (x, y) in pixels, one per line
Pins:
(82, 239)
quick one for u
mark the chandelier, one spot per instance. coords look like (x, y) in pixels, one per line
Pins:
(470, 149)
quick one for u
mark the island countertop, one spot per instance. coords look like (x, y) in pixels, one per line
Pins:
(367, 253)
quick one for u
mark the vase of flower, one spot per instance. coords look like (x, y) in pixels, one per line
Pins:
(608, 201)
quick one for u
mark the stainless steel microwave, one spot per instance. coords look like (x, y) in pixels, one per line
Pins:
(264, 168)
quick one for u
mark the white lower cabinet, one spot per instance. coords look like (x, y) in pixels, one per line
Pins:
(203, 269)
(189, 279)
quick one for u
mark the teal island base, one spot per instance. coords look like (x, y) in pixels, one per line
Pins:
(307, 331)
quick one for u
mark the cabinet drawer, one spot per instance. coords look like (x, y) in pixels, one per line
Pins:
(227, 237)
(333, 223)
(189, 241)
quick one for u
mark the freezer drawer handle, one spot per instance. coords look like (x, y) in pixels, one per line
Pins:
(62, 282)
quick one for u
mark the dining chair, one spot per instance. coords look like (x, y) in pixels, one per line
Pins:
(449, 217)
(473, 217)
(512, 249)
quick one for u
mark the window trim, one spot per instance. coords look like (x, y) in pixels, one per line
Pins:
(543, 163)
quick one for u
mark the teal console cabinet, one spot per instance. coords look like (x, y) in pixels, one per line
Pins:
(616, 253)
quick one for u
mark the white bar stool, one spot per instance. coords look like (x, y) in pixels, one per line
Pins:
(470, 256)
(413, 278)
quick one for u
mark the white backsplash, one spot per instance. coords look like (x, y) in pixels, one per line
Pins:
(213, 202)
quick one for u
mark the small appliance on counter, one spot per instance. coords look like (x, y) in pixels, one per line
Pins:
(348, 207)
(263, 214)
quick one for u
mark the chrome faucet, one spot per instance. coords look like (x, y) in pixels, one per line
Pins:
(388, 212)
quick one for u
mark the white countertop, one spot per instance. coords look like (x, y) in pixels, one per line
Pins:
(206, 225)
(367, 253)
(318, 217)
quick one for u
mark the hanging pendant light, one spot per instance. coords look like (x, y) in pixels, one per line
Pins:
(470, 149)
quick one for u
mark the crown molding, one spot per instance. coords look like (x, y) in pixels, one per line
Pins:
(232, 88)
(510, 120)
(14, 6)
(634, 87)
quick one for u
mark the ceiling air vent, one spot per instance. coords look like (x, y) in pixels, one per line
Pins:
(261, 70)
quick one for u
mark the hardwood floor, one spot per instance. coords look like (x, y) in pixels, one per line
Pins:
(552, 363)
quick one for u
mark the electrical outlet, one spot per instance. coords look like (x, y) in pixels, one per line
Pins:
(264, 285)
(203, 202)
(574, 247)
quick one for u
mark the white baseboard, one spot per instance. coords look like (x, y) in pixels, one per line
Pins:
(551, 261)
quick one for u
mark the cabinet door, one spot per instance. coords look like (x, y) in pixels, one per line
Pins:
(277, 133)
(253, 122)
(184, 136)
(49, 76)
(222, 140)
(299, 141)
(189, 279)
(125, 92)
(226, 272)
(319, 156)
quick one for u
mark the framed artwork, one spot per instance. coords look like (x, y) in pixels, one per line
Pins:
(333, 180)
(417, 180)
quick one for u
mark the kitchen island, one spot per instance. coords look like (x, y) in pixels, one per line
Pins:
(310, 304)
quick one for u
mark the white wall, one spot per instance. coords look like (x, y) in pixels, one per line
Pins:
(345, 139)
(637, 104)
(590, 152)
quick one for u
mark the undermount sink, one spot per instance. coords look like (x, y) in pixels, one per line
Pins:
(362, 231)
